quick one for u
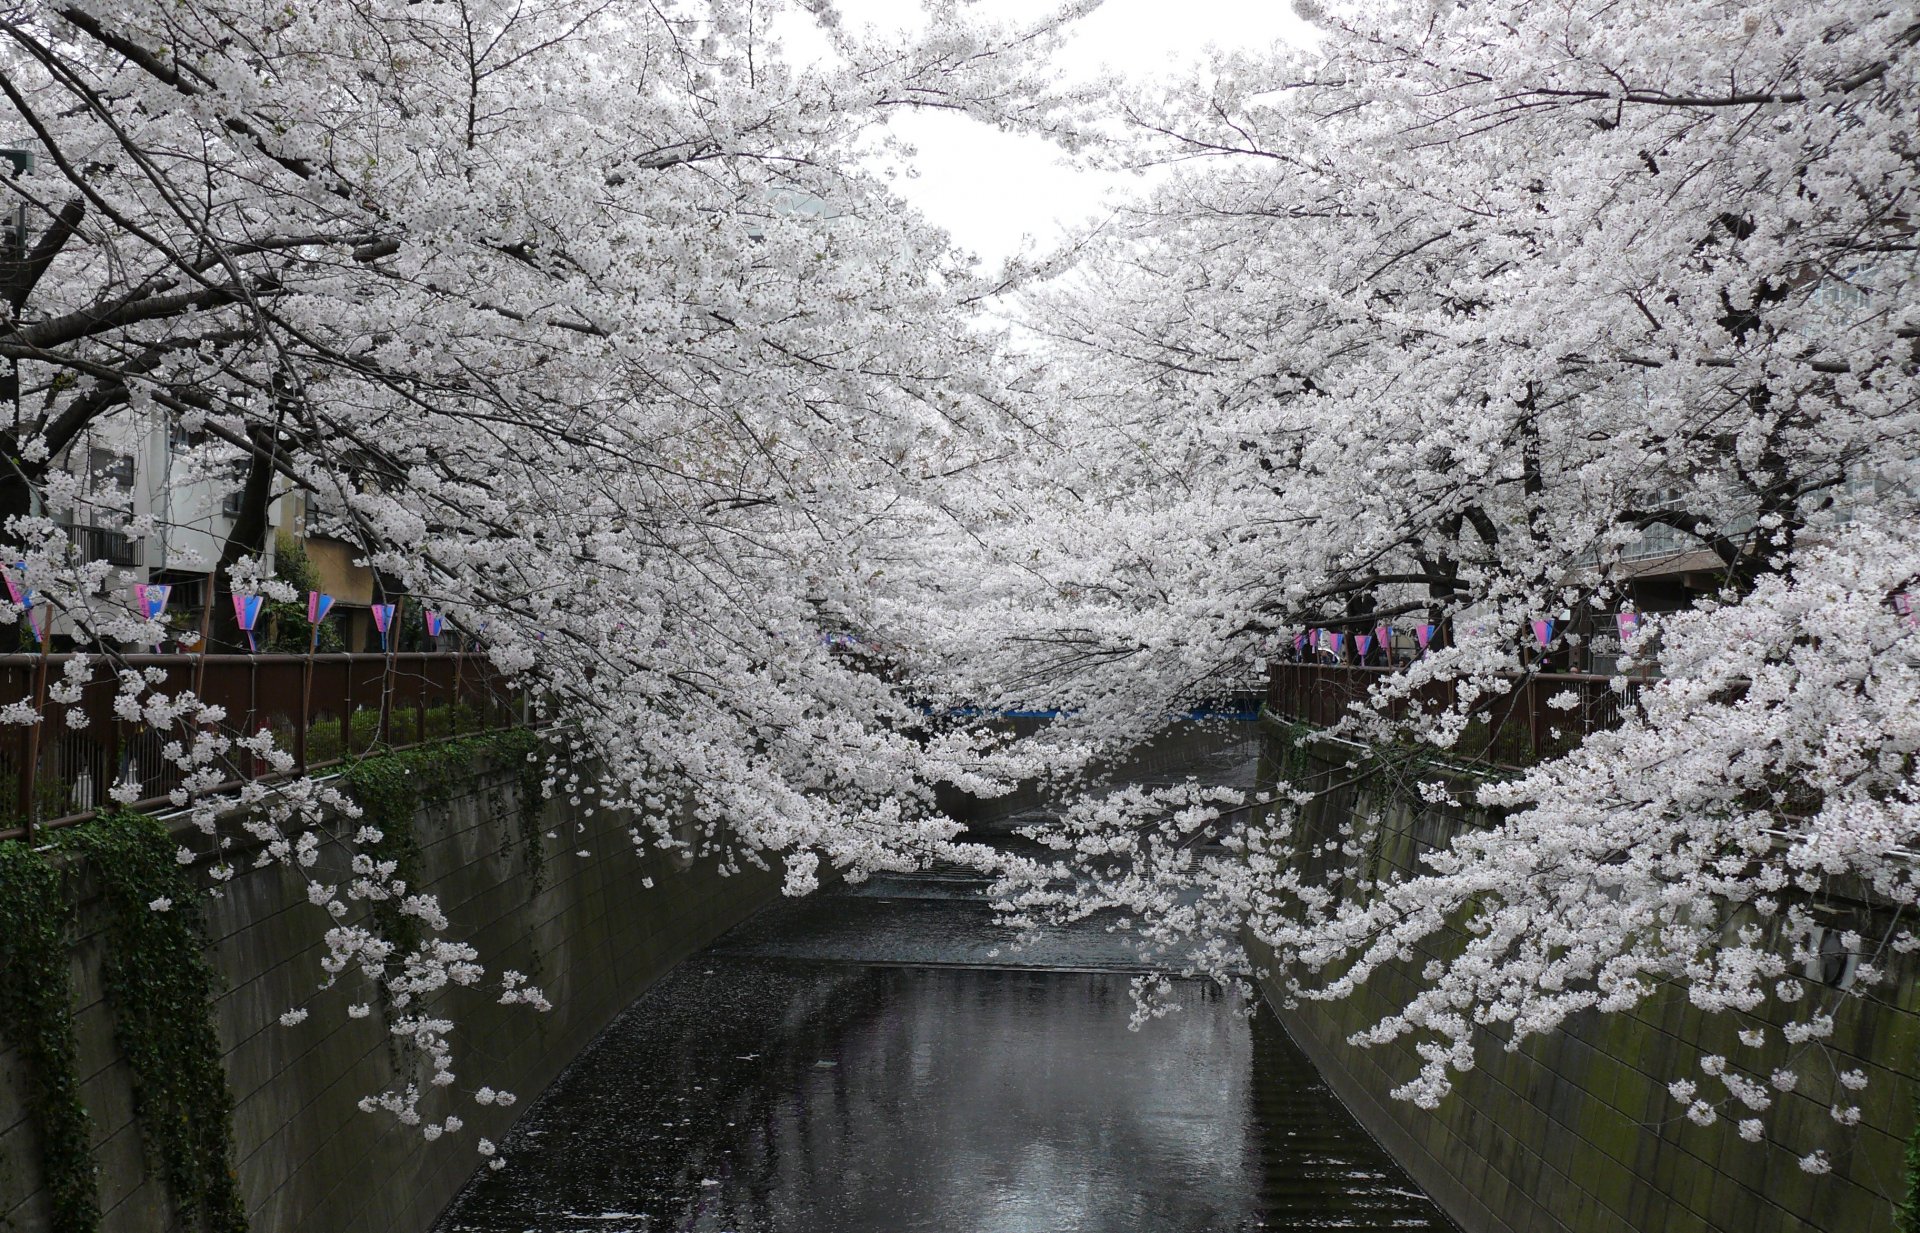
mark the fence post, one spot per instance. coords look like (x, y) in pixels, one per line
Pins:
(346, 710)
(30, 776)
(1536, 716)
(23, 782)
(253, 713)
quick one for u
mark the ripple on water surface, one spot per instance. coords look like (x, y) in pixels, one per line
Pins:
(806, 1078)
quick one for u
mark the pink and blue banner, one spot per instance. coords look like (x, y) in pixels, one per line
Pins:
(382, 618)
(1363, 643)
(317, 607)
(1384, 636)
(246, 614)
(1339, 644)
(435, 622)
(1543, 633)
(151, 598)
(1629, 624)
(21, 595)
(1423, 634)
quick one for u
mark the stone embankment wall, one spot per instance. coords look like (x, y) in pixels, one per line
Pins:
(1576, 1131)
(584, 928)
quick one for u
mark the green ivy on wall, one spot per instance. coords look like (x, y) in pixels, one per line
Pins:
(36, 1014)
(162, 990)
(160, 985)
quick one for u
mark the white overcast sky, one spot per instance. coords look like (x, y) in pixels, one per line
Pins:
(989, 189)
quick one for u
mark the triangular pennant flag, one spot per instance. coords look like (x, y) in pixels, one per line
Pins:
(1364, 643)
(1299, 643)
(151, 597)
(1629, 624)
(1543, 630)
(317, 607)
(1339, 644)
(246, 613)
(382, 617)
(1423, 634)
(21, 595)
(434, 622)
(1384, 636)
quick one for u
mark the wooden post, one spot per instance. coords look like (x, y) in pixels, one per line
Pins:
(386, 676)
(306, 700)
(254, 765)
(206, 633)
(453, 707)
(346, 709)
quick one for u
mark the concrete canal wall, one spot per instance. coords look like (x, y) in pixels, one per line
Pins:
(308, 1160)
(1575, 1132)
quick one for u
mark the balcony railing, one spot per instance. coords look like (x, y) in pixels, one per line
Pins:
(104, 544)
(322, 709)
(1508, 730)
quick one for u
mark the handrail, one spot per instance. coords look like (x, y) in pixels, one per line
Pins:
(1511, 730)
(323, 708)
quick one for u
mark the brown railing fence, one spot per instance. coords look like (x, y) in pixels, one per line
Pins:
(1510, 728)
(322, 709)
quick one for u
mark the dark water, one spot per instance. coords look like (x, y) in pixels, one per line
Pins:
(875, 1059)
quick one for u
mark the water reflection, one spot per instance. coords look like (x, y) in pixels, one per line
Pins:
(862, 1061)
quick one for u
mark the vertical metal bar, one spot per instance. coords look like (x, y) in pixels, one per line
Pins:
(32, 772)
(110, 778)
(23, 782)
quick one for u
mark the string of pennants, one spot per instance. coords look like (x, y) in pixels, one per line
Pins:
(1335, 641)
(150, 600)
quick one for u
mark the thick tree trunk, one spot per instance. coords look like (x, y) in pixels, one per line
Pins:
(247, 538)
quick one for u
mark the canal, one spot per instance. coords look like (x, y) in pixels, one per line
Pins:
(875, 1058)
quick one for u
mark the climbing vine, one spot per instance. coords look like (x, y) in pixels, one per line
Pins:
(162, 991)
(36, 1013)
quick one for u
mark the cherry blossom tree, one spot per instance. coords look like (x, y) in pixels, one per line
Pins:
(1434, 322)
(587, 325)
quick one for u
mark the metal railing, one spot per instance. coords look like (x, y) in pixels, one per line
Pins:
(1511, 729)
(323, 709)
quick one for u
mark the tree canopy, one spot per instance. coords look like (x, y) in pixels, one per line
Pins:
(592, 326)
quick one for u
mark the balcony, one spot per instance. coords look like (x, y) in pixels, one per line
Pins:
(103, 544)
